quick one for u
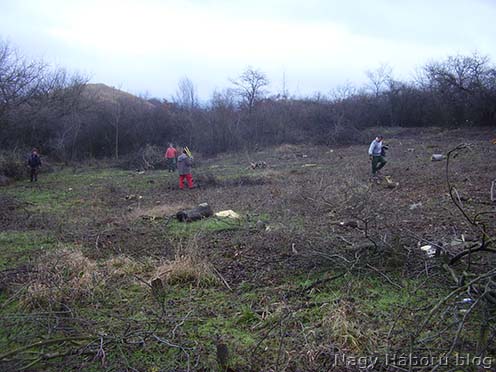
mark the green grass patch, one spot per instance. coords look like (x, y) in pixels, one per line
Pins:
(59, 191)
(185, 229)
(18, 247)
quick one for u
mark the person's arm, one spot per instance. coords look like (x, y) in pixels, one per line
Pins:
(371, 148)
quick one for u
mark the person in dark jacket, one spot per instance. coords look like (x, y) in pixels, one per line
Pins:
(34, 163)
(184, 163)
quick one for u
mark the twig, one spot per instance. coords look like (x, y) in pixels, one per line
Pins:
(180, 323)
(451, 294)
(460, 255)
(182, 348)
(222, 278)
(385, 276)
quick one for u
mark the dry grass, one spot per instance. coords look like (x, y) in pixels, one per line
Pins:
(61, 276)
(188, 267)
(66, 276)
(125, 267)
(187, 270)
(346, 330)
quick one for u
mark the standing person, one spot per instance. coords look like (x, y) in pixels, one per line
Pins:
(171, 158)
(34, 163)
(184, 163)
(377, 153)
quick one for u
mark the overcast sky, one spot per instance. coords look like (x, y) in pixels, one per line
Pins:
(147, 46)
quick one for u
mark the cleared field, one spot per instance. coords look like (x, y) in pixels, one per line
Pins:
(324, 265)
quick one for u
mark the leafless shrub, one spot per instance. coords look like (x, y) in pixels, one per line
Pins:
(146, 158)
(12, 165)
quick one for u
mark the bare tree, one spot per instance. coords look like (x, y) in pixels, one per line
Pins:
(379, 78)
(20, 80)
(465, 87)
(186, 96)
(250, 86)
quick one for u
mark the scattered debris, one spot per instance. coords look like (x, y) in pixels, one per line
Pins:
(304, 156)
(228, 214)
(258, 165)
(293, 248)
(151, 218)
(202, 211)
(415, 205)
(437, 157)
(309, 165)
(133, 197)
(349, 223)
(429, 250)
(411, 149)
(390, 184)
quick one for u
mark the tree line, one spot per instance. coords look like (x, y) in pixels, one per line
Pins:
(71, 120)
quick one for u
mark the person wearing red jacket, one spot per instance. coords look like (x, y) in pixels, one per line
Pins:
(171, 158)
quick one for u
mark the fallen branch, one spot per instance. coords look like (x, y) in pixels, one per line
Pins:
(460, 255)
(385, 276)
(43, 343)
(222, 278)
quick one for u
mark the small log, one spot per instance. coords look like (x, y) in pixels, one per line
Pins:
(202, 211)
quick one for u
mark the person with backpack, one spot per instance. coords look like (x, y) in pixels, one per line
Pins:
(34, 163)
(377, 154)
(184, 163)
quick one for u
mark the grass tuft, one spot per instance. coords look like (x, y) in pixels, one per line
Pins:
(61, 276)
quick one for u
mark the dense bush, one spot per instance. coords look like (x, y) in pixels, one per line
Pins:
(13, 164)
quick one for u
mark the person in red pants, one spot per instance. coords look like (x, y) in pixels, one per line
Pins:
(184, 163)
